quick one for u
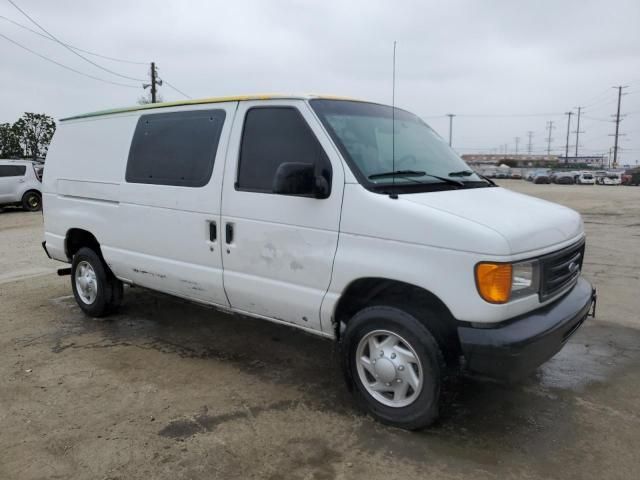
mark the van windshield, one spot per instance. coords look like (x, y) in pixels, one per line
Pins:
(403, 152)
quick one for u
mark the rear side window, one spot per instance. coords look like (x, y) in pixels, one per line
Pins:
(12, 170)
(272, 136)
(176, 148)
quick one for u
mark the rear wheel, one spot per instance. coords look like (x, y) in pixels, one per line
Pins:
(96, 290)
(394, 366)
(32, 201)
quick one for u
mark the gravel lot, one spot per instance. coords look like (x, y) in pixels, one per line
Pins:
(166, 389)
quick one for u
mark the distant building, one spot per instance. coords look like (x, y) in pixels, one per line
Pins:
(592, 160)
(522, 160)
(531, 161)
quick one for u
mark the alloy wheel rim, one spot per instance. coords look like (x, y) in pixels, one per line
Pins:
(86, 282)
(389, 368)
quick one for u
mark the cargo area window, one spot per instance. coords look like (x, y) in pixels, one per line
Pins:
(177, 148)
(12, 170)
(273, 136)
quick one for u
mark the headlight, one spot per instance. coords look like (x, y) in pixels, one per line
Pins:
(501, 282)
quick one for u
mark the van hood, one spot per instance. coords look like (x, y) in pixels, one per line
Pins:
(526, 223)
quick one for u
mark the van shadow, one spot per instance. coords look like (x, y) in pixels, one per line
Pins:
(519, 416)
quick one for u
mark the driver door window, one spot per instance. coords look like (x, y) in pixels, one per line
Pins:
(273, 136)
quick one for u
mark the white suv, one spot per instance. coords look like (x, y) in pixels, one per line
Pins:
(20, 184)
(351, 220)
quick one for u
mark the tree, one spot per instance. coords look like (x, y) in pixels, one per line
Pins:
(146, 99)
(34, 132)
(9, 142)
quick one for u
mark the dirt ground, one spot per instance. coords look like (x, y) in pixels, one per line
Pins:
(169, 390)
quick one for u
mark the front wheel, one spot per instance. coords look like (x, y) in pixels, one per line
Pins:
(394, 366)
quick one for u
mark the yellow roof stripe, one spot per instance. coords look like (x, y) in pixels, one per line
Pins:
(200, 101)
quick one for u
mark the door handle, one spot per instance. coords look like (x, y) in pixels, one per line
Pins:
(213, 231)
(229, 232)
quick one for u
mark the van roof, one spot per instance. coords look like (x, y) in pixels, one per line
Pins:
(201, 101)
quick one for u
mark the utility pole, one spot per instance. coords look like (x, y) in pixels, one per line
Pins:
(517, 140)
(153, 82)
(450, 115)
(578, 132)
(617, 134)
(550, 127)
(529, 144)
(566, 148)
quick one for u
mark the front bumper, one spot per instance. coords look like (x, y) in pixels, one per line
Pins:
(516, 347)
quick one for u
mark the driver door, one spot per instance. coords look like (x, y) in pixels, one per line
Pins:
(278, 249)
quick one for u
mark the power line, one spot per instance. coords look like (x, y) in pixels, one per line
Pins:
(509, 115)
(113, 59)
(71, 49)
(176, 89)
(67, 67)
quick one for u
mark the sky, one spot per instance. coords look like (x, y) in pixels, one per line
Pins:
(504, 68)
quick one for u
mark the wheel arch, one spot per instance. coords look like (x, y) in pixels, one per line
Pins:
(76, 238)
(418, 301)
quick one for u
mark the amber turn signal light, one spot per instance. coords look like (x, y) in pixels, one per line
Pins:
(494, 281)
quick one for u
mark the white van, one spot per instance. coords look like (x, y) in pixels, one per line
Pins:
(20, 184)
(351, 220)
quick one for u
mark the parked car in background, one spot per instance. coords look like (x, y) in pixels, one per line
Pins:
(20, 184)
(261, 206)
(564, 178)
(609, 179)
(541, 178)
(585, 178)
(631, 177)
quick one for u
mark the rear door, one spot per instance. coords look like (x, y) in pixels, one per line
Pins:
(278, 249)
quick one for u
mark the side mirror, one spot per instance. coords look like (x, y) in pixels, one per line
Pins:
(294, 178)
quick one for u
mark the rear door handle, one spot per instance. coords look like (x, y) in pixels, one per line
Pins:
(213, 231)
(229, 233)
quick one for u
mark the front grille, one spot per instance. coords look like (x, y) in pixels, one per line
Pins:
(560, 269)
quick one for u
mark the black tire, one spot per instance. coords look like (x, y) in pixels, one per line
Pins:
(424, 410)
(32, 201)
(109, 290)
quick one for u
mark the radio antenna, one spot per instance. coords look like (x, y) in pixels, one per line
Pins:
(393, 115)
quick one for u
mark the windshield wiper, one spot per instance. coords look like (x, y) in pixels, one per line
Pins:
(461, 173)
(468, 173)
(398, 173)
(415, 173)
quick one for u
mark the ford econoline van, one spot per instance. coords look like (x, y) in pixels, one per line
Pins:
(350, 220)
